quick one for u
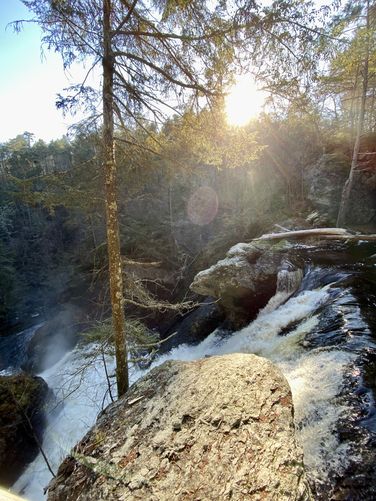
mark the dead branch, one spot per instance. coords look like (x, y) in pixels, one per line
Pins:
(325, 233)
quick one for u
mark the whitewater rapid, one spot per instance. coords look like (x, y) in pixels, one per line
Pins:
(315, 374)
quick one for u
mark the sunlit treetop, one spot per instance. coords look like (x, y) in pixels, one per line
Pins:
(171, 55)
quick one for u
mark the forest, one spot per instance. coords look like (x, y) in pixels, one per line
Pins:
(110, 224)
(52, 195)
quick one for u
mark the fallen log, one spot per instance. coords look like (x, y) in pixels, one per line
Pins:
(354, 238)
(326, 233)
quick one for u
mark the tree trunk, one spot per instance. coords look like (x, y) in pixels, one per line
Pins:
(113, 240)
(345, 199)
(352, 105)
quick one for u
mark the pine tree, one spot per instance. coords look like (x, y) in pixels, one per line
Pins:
(150, 57)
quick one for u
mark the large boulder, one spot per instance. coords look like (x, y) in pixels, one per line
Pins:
(215, 429)
(22, 399)
(245, 279)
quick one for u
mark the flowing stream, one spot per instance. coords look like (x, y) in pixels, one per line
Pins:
(322, 336)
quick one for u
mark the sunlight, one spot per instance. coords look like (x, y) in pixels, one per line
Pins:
(244, 101)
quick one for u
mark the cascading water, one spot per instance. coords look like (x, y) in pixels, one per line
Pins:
(288, 281)
(80, 392)
(318, 338)
(321, 340)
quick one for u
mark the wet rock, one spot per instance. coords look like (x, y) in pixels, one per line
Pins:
(196, 326)
(251, 273)
(54, 338)
(22, 399)
(218, 428)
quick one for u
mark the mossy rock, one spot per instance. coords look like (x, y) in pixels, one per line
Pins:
(22, 399)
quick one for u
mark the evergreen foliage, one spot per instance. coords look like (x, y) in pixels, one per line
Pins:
(172, 65)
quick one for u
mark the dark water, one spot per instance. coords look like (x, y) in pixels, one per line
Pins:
(347, 322)
(13, 349)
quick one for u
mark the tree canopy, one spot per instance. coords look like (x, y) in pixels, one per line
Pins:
(156, 117)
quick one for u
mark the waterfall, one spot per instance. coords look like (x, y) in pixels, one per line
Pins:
(307, 329)
(288, 281)
(79, 386)
(316, 374)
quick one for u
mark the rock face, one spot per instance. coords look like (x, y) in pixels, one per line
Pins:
(325, 180)
(22, 399)
(215, 429)
(362, 211)
(245, 280)
(196, 326)
(252, 273)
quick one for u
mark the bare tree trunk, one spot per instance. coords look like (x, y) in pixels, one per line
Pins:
(113, 240)
(352, 103)
(371, 110)
(342, 213)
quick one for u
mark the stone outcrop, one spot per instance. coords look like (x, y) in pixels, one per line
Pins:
(251, 273)
(246, 279)
(362, 210)
(324, 183)
(22, 399)
(215, 429)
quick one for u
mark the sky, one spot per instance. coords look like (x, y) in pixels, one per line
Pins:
(29, 83)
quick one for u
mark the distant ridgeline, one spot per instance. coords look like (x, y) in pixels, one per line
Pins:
(23, 157)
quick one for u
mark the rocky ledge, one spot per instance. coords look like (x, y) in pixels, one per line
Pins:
(251, 273)
(246, 278)
(215, 429)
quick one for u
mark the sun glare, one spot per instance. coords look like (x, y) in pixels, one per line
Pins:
(244, 101)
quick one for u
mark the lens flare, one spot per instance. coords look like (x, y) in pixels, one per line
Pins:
(202, 206)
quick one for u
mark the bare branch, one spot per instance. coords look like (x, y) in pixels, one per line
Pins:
(126, 18)
(161, 71)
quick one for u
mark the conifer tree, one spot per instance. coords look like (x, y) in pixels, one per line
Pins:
(154, 57)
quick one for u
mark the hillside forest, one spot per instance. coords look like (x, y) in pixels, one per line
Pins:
(189, 184)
